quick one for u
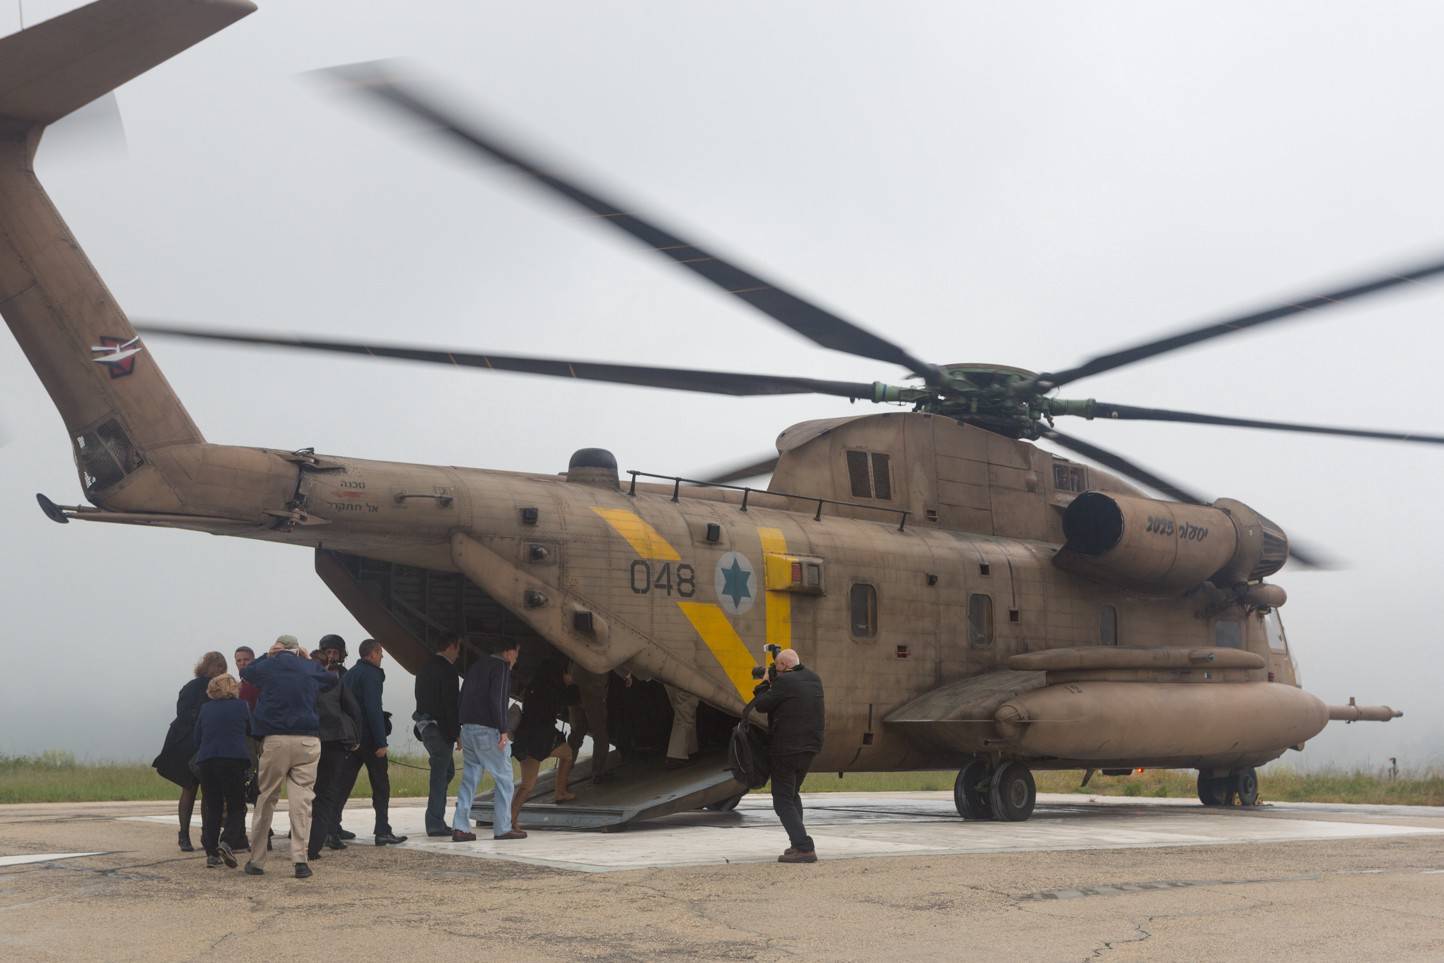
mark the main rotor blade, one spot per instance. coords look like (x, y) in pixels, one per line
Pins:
(1105, 409)
(1307, 557)
(680, 379)
(751, 469)
(1218, 329)
(802, 316)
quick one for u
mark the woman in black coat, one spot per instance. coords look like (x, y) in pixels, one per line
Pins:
(175, 756)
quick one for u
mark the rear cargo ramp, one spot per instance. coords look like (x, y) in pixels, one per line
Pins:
(638, 790)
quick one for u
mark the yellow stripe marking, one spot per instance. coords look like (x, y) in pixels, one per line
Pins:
(727, 646)
(779, 604)
(645, 540)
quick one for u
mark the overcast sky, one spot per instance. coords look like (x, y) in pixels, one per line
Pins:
(1018, 183)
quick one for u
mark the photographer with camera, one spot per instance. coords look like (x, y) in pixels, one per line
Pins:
(792, 698)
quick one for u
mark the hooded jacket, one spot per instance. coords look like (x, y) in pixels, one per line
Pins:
(340, 716)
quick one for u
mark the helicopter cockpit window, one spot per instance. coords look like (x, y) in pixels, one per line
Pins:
(980, 619)
(863, 599)
(870, 474)
(1228, 634)
(1108, 626)
(1274, 629)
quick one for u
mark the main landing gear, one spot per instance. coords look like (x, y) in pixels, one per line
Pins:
(1237, 788)
(1005, 791)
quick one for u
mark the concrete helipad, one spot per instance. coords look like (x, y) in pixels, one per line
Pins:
(901, 879)
(855, 825)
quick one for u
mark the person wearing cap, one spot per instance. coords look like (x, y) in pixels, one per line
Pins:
(333, 650)
(795, 720)
(289, 727)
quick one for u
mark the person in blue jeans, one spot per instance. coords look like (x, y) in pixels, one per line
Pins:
(485, 692)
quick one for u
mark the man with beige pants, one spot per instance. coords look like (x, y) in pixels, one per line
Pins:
(289, 728)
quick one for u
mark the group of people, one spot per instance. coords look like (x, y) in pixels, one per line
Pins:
(294, 718)
(303, 720)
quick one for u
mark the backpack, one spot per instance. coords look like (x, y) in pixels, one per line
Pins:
(747, 753)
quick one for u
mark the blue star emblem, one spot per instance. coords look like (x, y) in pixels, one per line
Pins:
(736, 583)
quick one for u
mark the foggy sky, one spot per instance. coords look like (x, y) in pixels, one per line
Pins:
(1024, 184)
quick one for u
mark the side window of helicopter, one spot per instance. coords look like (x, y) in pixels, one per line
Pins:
(1228, 634)
(1108, 626)
(980, 620)
(863, 601)
(870, 474)
(857, 473)
(881, 476)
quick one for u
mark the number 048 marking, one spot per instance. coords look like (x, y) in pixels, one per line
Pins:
(643, 578)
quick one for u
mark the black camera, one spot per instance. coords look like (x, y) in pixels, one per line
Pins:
(770, 672)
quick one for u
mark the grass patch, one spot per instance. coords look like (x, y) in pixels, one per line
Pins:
(58, 777)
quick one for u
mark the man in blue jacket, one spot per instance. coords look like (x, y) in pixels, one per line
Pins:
(286, 722)
(366, 680)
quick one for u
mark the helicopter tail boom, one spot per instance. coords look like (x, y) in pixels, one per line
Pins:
(114, 400)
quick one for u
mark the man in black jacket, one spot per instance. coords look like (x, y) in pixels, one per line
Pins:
(366, 680)
(340, 734)
(438, 729)
(795, 722)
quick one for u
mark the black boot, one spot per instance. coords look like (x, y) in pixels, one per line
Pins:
(184, 839)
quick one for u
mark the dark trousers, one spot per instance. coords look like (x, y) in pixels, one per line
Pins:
(330, 784)
(591, 716)
(443, 770)
(787, 775)
(223, 803)
(376, 771)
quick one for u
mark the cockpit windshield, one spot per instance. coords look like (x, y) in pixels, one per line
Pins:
(1274, 628)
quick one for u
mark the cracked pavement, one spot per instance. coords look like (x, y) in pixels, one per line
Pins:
(1339, 898)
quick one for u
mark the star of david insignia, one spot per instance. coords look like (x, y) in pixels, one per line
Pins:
(734, 583)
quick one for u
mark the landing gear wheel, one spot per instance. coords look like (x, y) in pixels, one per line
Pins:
(725, 805)
(970, 791)
(1244, 785)
(1013, 792)
(1211, 789)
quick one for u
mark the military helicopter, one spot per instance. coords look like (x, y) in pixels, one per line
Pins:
(973, 601)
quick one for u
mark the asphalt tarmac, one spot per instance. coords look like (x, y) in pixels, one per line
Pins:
(901, 878)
